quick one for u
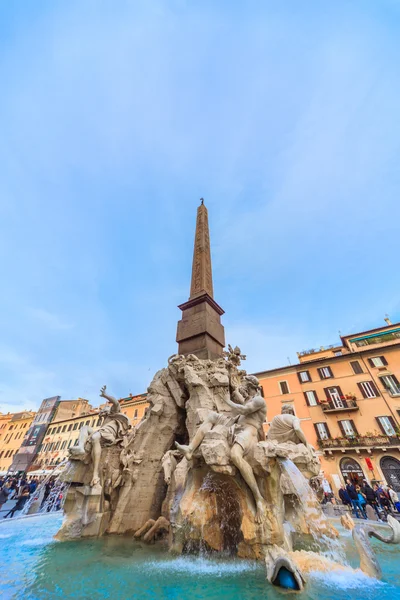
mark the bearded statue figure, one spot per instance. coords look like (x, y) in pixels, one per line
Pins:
(113, 427)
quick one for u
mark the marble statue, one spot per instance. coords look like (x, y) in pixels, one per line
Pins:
(246, 426)
(112, 429)
(286, 428)
(197, 472)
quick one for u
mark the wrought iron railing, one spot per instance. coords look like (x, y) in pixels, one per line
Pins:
(342, 405)
(360, 440)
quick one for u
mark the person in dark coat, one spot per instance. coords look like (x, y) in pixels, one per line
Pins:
(371, 497)
(20, 503)
(344, 496)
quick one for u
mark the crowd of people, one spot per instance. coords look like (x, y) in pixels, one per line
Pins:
(20, 489)
(382, 498)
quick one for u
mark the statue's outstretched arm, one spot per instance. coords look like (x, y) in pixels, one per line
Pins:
(111, 399)
(248, 408)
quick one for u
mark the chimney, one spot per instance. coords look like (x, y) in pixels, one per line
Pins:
(388, 321)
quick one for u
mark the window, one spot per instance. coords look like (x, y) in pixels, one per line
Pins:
(348, 428)
(59, 429)
(80, 425)
(338, 353)
(335, 395)
(69, 443)
(63, 445)
(368, 389)
(304, 376)
(87, 422)
(135, 413)
(64, 428)
(69, 427)
(391, 384)
(388, 425)
(377, 361)
(75, 426)
(284, 387)
(76, 442)
(98, 422)
(322, 431)
(325, 372)
(355, 365)
(311, 398)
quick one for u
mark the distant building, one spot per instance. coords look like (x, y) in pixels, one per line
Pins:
(51, 409)
(13, 431)
(134, 407)
(61, 434)
(348, 399)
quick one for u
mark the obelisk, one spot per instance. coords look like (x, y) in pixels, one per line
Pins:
(200, 331)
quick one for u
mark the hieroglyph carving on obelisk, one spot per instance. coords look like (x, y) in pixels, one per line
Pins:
(201, 270)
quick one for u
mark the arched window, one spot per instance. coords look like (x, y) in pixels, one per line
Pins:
(352, 470)
(391, 470)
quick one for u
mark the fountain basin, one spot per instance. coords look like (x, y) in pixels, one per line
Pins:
(33, 565)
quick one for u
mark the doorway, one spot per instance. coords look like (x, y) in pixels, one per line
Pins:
(391, 471)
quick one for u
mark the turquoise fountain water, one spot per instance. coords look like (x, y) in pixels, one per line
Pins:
(35, 567)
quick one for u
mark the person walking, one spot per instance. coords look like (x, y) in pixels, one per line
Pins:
(351, 490)
(361, 498)
(371, 497)
(394, 497)
(20, 503)
(344, 496)
(4, 493)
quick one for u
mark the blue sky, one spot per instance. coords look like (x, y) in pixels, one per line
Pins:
(116, 118)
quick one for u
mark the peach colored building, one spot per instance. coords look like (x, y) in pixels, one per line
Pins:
(13, 434)
(134, 407)
(347, 397)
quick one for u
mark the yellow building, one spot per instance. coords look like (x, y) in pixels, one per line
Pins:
(61, 435)
(134, 407)
(13, 432)
(348, 399)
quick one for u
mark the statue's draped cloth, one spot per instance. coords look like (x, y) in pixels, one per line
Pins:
(281, 429)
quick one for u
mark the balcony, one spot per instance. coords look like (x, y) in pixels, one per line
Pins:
(359, 441)
(345, 405)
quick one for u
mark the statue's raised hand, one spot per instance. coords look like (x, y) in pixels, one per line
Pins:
(103, 391)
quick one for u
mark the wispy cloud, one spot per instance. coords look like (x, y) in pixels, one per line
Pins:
(116, 120)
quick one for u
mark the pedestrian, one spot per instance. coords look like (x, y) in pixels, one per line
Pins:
(371, 497)
(32, 485)
(394, 496)
(361, 498)
(13, 489)
(351, 490)
(20, 503)
(344, 496)
(384, 502)
(4, 493)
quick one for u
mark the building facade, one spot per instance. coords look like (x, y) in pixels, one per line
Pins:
(51, 409)
(13, 433)
(134, 407)
(60, 436)
(348, 399)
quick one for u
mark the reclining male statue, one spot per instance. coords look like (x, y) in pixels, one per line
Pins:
(114, 426)
(286, 428)
(250, 411)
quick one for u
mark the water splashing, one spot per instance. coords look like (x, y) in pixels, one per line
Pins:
(39, 502)
(308, 505)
